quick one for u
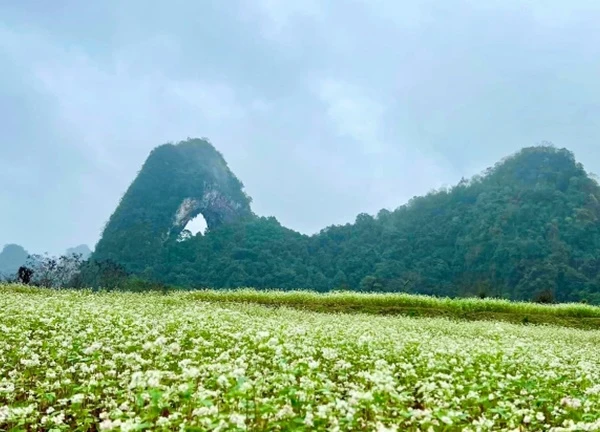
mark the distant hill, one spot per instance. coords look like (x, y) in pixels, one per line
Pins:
(527, 228)
(83, 250)
(12, 257)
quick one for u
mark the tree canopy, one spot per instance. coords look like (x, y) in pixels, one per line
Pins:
(527, 228)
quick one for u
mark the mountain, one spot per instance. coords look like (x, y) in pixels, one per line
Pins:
(176, 183)
(83, 250)
(527, 228)
(11, 258)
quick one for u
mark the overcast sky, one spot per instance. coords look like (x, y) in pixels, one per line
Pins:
(324, 109)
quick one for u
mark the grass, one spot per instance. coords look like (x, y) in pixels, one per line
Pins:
(575, 315)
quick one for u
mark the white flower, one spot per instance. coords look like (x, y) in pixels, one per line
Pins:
(380, 427)
(162, 421)
(78, 398)
(106, 424)
(285, 411)
(308, 419)
(238, 420)
(446, 419)
(571, 402)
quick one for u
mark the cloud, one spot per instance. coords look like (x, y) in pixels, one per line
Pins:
(354, 114)
(107, 106)
(323, 109)
(276, 16)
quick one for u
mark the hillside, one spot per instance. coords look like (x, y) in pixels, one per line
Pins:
(528, 228)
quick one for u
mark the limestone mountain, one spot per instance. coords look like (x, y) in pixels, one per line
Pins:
(176, 183)
(527, 228)
(12, 257)
(83, 250)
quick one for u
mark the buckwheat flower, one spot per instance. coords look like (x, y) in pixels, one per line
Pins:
(285, 411)
(238, 372)
(540, 416)
(447, 420)
(4, 412)
(58, 419)
(92, 348)
(593, 390)
(245, 387)
(174, 348)
(205, 411)
(106, 424)
(322, 411)
(162, 421)
(222, 381)
(308, 419)
(571, 402)
(329, 353)
(527, 419)
(78, 398)
(382, 428)
(238, 420)
(191, 373)
(153, 378)
(137, 380)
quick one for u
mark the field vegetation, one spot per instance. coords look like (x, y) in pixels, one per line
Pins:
(578, 315)
(78, 360)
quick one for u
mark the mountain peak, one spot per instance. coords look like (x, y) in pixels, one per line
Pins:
(177, 183)
(538, 166)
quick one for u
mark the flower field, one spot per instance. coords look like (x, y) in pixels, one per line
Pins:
(114, 361)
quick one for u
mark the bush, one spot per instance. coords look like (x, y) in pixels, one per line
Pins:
(545, 297)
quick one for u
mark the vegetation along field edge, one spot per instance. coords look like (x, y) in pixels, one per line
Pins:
(567, 314)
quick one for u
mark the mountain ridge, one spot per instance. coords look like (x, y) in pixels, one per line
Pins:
(527, 227)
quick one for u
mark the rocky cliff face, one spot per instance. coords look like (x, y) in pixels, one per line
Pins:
(177, 183)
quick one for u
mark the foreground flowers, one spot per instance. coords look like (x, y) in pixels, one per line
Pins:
(79, 361)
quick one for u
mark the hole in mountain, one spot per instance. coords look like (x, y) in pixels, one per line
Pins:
(196, 225)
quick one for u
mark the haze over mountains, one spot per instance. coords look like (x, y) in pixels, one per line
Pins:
(344, 107)
(527, 227)
(14, 256)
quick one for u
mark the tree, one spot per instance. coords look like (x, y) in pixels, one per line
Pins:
(52, 272)
(24, 275)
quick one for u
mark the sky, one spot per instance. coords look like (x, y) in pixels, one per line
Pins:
(324, 109)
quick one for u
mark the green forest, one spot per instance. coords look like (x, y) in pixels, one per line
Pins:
(525, 229)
